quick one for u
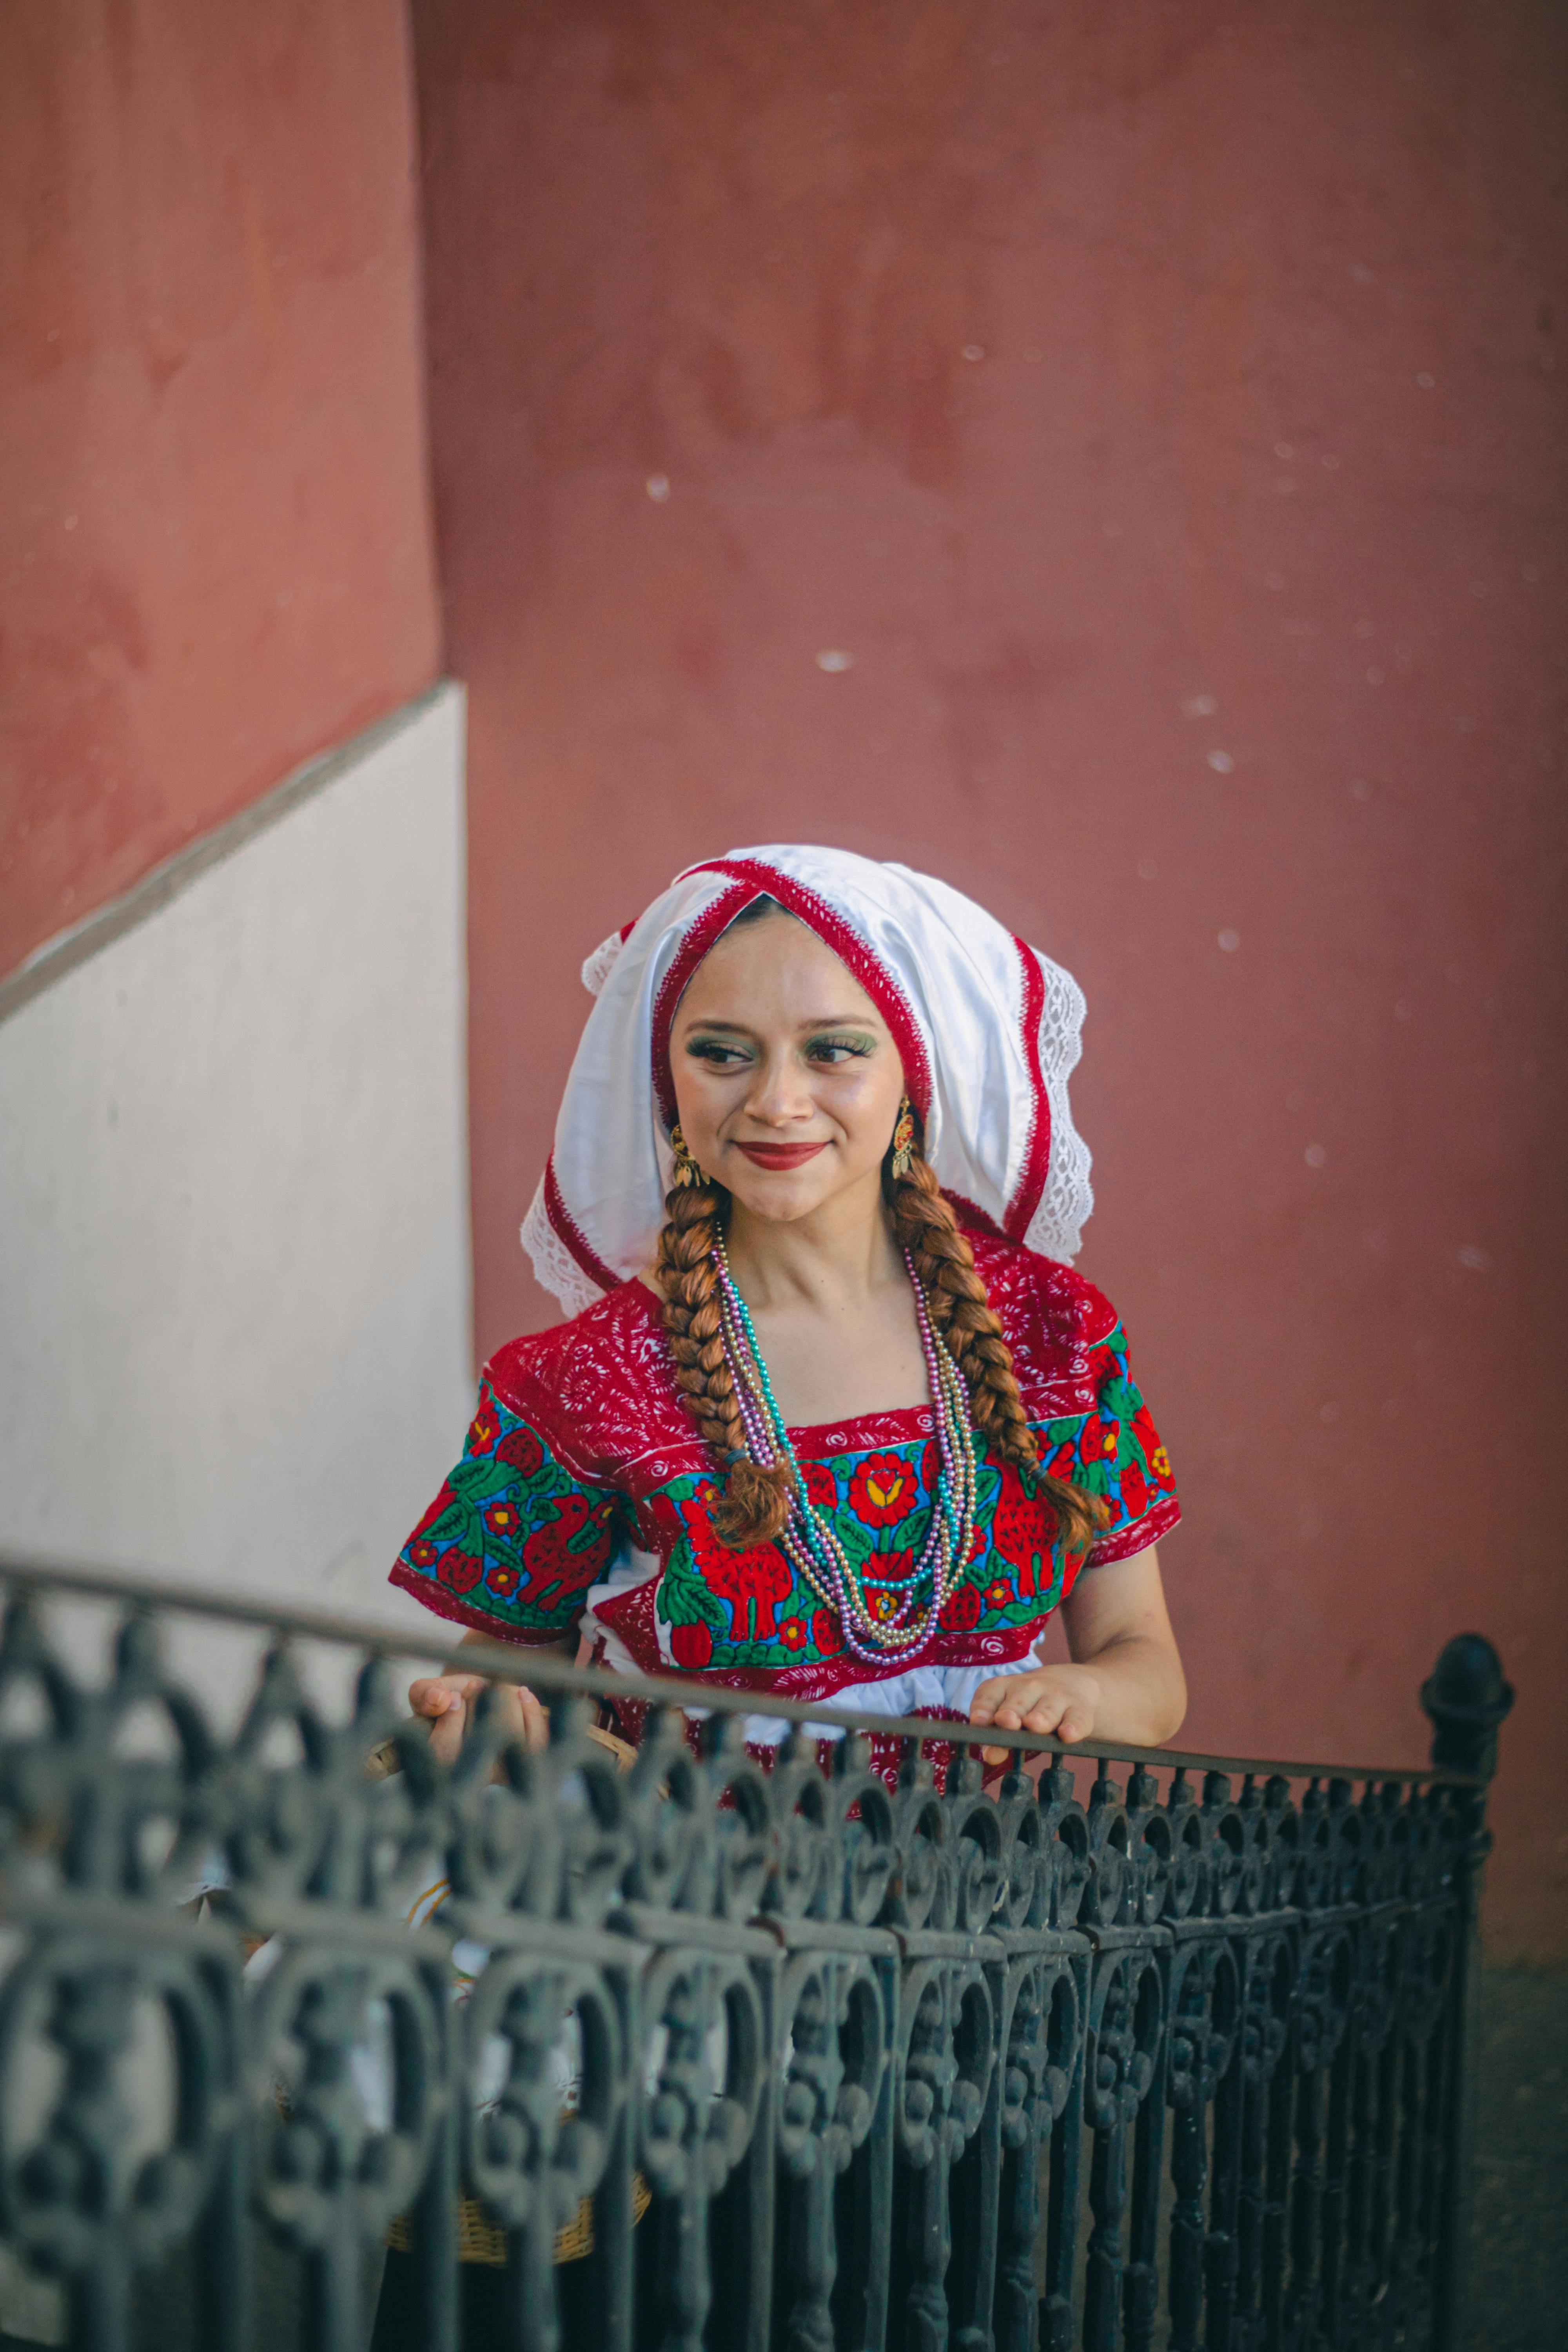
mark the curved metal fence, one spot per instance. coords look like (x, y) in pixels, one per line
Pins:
(1152, 2050)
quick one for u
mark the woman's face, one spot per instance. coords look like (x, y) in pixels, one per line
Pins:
(787, 1077)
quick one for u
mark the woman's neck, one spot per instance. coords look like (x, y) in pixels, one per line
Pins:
(836, 1260)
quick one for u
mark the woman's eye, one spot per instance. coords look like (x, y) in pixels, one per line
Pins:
(720, 1057)
(836, 1049)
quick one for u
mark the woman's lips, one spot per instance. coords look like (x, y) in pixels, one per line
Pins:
(780, 1156)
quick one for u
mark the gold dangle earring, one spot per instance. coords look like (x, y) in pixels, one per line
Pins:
(687, 1171)
(903, 1141)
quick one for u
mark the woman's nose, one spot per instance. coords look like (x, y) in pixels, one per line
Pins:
(781, 1093)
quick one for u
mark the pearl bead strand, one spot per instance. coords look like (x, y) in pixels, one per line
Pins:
(811, 1543)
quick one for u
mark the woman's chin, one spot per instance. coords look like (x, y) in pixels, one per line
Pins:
(784, 1197)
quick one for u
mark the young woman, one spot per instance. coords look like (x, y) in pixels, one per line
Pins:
(833, 1417)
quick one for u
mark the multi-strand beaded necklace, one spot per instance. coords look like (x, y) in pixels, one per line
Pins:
(883, 1616)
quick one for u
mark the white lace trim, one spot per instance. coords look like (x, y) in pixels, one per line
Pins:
(1056, 1229)
(598, 968)
(554, 1266)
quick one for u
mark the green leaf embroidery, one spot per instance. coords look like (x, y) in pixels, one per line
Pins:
(482, 1481)
(1119, 1397)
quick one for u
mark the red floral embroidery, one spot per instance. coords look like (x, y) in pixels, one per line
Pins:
(820, 1484)
(826, 1633)
(522, 1452)
(460, 1570)
(962, 1610)
(754, 1580)
(1022, 1533)
(691, 1646)
(548, 1560)
(883, 1490)
(602, 1382)
(1154, 1453)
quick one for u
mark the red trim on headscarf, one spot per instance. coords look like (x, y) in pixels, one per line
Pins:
(973, 1220)
(1038, 1149)
(709, 926)
(850, 949)
(570, 1232)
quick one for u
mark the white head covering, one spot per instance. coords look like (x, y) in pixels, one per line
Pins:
(987, 1027)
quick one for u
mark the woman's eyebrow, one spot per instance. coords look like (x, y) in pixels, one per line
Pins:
(817, 1021)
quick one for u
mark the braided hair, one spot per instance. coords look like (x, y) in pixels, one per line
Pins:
(753, 1506)
(924, 1223)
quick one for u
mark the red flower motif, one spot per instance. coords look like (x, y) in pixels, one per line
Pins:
(501, 1520)
(547, 1559)
(999, 1594)
(483, 1431)
(1154, 1453)
(1098, 1440)
(883, 1490)
(502, 1581)
(1134, 1491)
(962, 1609)
(826, 1633)
(522, 1450)
(460, 1570)
(821, 1485)
(424, 1554)
(930, 1467)
(1063, 1463)
(794, 1633)
(1022, 1532)
(691, 1646)
(754, 1580)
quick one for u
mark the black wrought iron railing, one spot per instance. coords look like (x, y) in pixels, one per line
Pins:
(1159, 2051)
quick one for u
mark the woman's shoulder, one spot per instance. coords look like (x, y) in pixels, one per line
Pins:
(596, 1387)
(1056, 1323)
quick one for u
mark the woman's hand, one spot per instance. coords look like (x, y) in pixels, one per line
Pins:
(1063, 1699)
(1125, 1681)
(445, 1700)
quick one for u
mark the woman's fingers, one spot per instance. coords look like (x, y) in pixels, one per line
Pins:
(988, 1699)
(440, 1694)
(444, 1700)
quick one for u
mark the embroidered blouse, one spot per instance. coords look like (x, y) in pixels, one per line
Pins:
(583, 1494)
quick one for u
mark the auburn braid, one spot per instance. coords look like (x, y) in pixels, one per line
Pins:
(924, 1224)
(754, 1505)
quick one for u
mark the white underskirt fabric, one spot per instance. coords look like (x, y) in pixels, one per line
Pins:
(924, 1690)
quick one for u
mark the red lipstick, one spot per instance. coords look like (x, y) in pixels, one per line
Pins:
(781, 1156)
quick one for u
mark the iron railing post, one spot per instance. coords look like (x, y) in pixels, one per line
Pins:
(1467, 1698)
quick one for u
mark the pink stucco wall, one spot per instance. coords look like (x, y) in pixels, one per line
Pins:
(214, 497)
(1162, 409)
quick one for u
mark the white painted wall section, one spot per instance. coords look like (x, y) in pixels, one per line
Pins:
(234, 1233)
